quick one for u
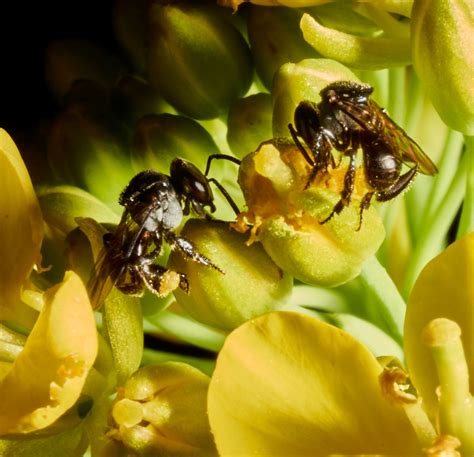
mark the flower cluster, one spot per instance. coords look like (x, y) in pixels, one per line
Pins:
(309, 323)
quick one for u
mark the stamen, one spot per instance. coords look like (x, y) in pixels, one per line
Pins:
(456, 406)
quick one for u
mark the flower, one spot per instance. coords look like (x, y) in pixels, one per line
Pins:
(46, 376)
(288, 384)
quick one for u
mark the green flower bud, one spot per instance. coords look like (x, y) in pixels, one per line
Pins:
(275, 38)
(199, 62)
(302, 81)
(287, 218)
(129, 19)
(162, 410)
(60, 205)
(159, 138)
(341, 16)
(132, 98)
(443, 55)
(89, 152)
(363, 52)
(249, 123)
(250, 285)
(69, 60)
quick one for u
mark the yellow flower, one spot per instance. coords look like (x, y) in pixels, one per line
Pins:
(287, 384)
(45, 379)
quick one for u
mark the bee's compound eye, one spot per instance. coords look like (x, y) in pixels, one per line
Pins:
(189, 181)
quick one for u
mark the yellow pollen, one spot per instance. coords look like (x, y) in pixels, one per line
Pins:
(169, 282)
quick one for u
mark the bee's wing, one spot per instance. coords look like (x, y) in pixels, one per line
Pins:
(115, 256)
(111, 261)
(407, 150)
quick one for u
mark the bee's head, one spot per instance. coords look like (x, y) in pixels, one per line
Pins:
(191, 184)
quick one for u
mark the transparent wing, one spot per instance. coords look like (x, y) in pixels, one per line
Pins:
(406, 148)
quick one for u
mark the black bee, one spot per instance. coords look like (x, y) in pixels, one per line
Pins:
(346, 119)
(154, 207)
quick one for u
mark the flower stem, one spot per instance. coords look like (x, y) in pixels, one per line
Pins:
(188, 330)
(447, 170)
(391, 306)
(436, 226)
(415, 101)
(466, 224)
(456, 407)
(396, 100)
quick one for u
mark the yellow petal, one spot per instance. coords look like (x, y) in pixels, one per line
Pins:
(443, 289)
(287, 384)
(48, 375)
(21, 225)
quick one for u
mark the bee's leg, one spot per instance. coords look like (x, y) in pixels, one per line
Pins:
(226, 195)
(220, 156)
(349, 181)
(162, 281)
(364, 204)
(303, 150)
(130, 281)
(189, 250)
(398, 186)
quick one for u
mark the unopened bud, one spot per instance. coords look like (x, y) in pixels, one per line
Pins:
(199, 62)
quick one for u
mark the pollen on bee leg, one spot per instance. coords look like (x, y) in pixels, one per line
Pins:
(394, 385)
(169, 282)
(444, 446)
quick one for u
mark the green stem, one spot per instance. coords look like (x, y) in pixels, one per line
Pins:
(466, 224)
(151, 356)
(434, 229)
(391, 305)
(415, 102)
(448, 166)
(378, 79)
(390, 214)
(188, 330)
(396, 100)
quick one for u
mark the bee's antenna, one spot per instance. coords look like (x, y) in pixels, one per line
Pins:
(220, 156)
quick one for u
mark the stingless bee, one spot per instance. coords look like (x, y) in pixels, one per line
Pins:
(154, 207)
(346, 119)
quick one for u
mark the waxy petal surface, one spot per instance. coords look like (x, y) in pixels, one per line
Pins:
(444, 289)
(48, 375)
(287, 384)
(21, 226)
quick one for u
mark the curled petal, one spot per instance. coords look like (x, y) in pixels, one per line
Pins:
(21, 226)
(358, 52)
(443, 289)
(287, 384)
(48, 375)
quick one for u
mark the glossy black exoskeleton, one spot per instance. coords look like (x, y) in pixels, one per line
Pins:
(154, 205)
(347, 119)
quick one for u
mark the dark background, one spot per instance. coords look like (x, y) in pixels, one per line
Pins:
(26, 28)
